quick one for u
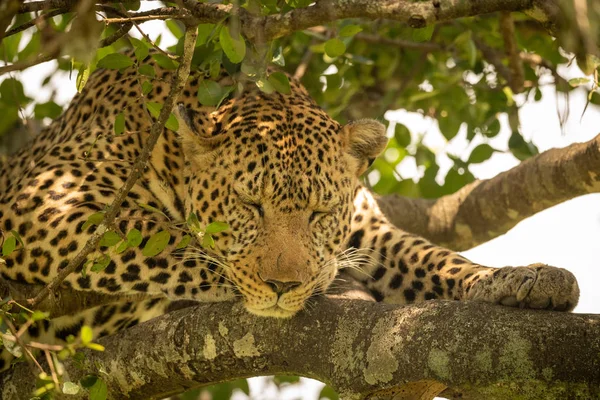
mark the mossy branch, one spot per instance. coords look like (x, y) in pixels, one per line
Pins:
(363, 349)
(485, 209)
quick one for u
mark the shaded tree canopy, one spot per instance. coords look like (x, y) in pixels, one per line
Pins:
(468, 65)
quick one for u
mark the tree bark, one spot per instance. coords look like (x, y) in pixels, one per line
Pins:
(488, 208)
(363, 349)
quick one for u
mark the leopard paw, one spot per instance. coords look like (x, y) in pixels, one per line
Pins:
(536, 286)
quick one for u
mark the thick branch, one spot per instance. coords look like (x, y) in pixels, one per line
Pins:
(485, 209)
(475, 349)
(415, 14)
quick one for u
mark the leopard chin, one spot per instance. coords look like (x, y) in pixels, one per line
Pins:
(272, 312)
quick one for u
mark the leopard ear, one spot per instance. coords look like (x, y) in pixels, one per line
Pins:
(364, 140)
(196, 131)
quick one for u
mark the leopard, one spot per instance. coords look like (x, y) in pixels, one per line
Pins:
(275, 168)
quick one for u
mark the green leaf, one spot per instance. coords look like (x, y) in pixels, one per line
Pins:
(110, 238)
(115, 61)
(172, 123)
(265, 86)
(94, 219)
(493, 129)
(154, 108)
(175, 28)
(82, 77)
(208, 242)
(209, 93)
(11, 92)
(509, 96)
(47, 110)
(122, 247)
(334, 47)
(481, 153)
(95, 346)
(119, 125)
(456, 179)
(521, 149)
(233, 47)
(402, 135)
(328, 393)
(99, 391)
(472, 51)
(142, 49)
(156, 243)
(423, 34)
(70, 388)
(280, 82)
(216, 227)
(88, 381)
(38, 315)
(278, 58)
(450, 125)
(18, 237)
(87, 335)
(205, 32)
(100, 263)
(9, 245)
(193, 223)
(153, 209)
(147, 70)
(350, 30)
(575, 82)
(165, 61)
(134, 237)
(183, 243)
(146, 87)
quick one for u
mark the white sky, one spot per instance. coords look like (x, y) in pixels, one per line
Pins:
(567, 235)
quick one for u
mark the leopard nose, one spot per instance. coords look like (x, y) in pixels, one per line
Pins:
(280, 287)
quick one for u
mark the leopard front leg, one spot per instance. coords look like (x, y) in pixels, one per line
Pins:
(405, 268)
(533, 286)
(188, 273)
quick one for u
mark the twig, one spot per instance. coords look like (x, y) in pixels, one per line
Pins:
(122, 31)
(517, 75)
(146, 36)
(29, 63)
(18, 340)
(52, 4)
(535, 60)
(492, 57)
(144, 18)
(35, 21)
(52, 368)
(8, 9)
(301, 68)
(33, 345)
(179, 81)
(405, 44)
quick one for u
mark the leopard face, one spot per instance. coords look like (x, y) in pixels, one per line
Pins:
(282, 174)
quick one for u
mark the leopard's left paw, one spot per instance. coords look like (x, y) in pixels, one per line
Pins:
(535, 286)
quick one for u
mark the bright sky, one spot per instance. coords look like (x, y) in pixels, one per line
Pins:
(567, 235)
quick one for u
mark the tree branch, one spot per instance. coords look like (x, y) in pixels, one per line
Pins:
(486, 209)
(358, 347)
(517, 75)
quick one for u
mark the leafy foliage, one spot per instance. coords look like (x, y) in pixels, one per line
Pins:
(454, 74)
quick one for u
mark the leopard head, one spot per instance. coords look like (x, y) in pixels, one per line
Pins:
(283, 175)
